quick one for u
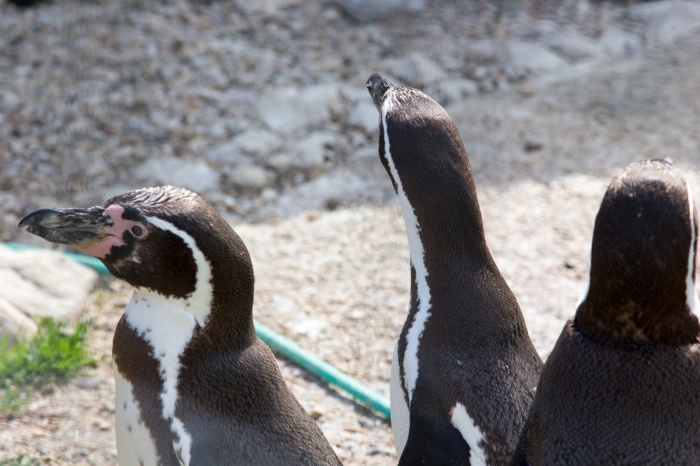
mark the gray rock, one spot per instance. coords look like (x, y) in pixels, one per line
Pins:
(364, 115)
(363, 182)
(88, 382)
(311, 152)
(454, 90)
(251, 177)
(484, 50)
(228, 154)
(196, 175)
(270, 6)
(290, 109)
(617, 43)
(573, 45)
(415, 69)
(256, 142)
(372, 10)
(41, 284)
(667, 21)
(532, 56)
(280, 162)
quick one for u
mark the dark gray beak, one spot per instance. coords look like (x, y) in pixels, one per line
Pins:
(75, 227)
(377, 85)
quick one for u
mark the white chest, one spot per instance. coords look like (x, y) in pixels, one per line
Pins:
(167, 325)
(135, 445)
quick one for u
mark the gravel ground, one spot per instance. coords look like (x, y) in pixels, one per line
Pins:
(336, 282)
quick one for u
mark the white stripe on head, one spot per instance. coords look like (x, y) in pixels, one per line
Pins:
(410, 362)
(199, 302)
(471, 434)
(690, 293)
(167, 324)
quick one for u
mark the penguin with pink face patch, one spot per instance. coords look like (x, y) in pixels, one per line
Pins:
(194, 385)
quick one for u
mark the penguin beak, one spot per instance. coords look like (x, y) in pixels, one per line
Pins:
(378, 86)
(80, 228)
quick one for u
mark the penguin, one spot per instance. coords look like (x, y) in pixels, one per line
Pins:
(464, 367)
(194, 384)
(622, 384)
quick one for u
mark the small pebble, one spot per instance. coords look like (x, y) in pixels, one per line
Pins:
(88, 383)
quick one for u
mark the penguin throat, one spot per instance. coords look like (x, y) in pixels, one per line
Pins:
(413, 329)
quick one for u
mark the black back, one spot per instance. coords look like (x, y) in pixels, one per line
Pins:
(622, 385)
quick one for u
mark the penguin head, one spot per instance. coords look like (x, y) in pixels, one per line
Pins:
(420, 141)
(642, 277)
(152, 237)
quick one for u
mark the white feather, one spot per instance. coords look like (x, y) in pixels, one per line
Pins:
(135, 445)
(417, 253)
(471, 434)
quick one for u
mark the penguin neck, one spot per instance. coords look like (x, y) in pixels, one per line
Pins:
(611, 317)
(445, 238)
(444, 226)
(433, 180)
(233, 282)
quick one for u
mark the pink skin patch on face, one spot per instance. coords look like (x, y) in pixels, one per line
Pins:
(103, 246)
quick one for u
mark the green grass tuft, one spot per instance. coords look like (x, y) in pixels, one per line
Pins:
(52, 354)
(20, 461)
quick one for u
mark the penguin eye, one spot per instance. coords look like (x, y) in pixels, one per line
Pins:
(138, 230)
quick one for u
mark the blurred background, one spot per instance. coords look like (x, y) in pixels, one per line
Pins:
(261, 108)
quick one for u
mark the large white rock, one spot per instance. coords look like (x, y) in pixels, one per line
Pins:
(14, 322)
(41, 284)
